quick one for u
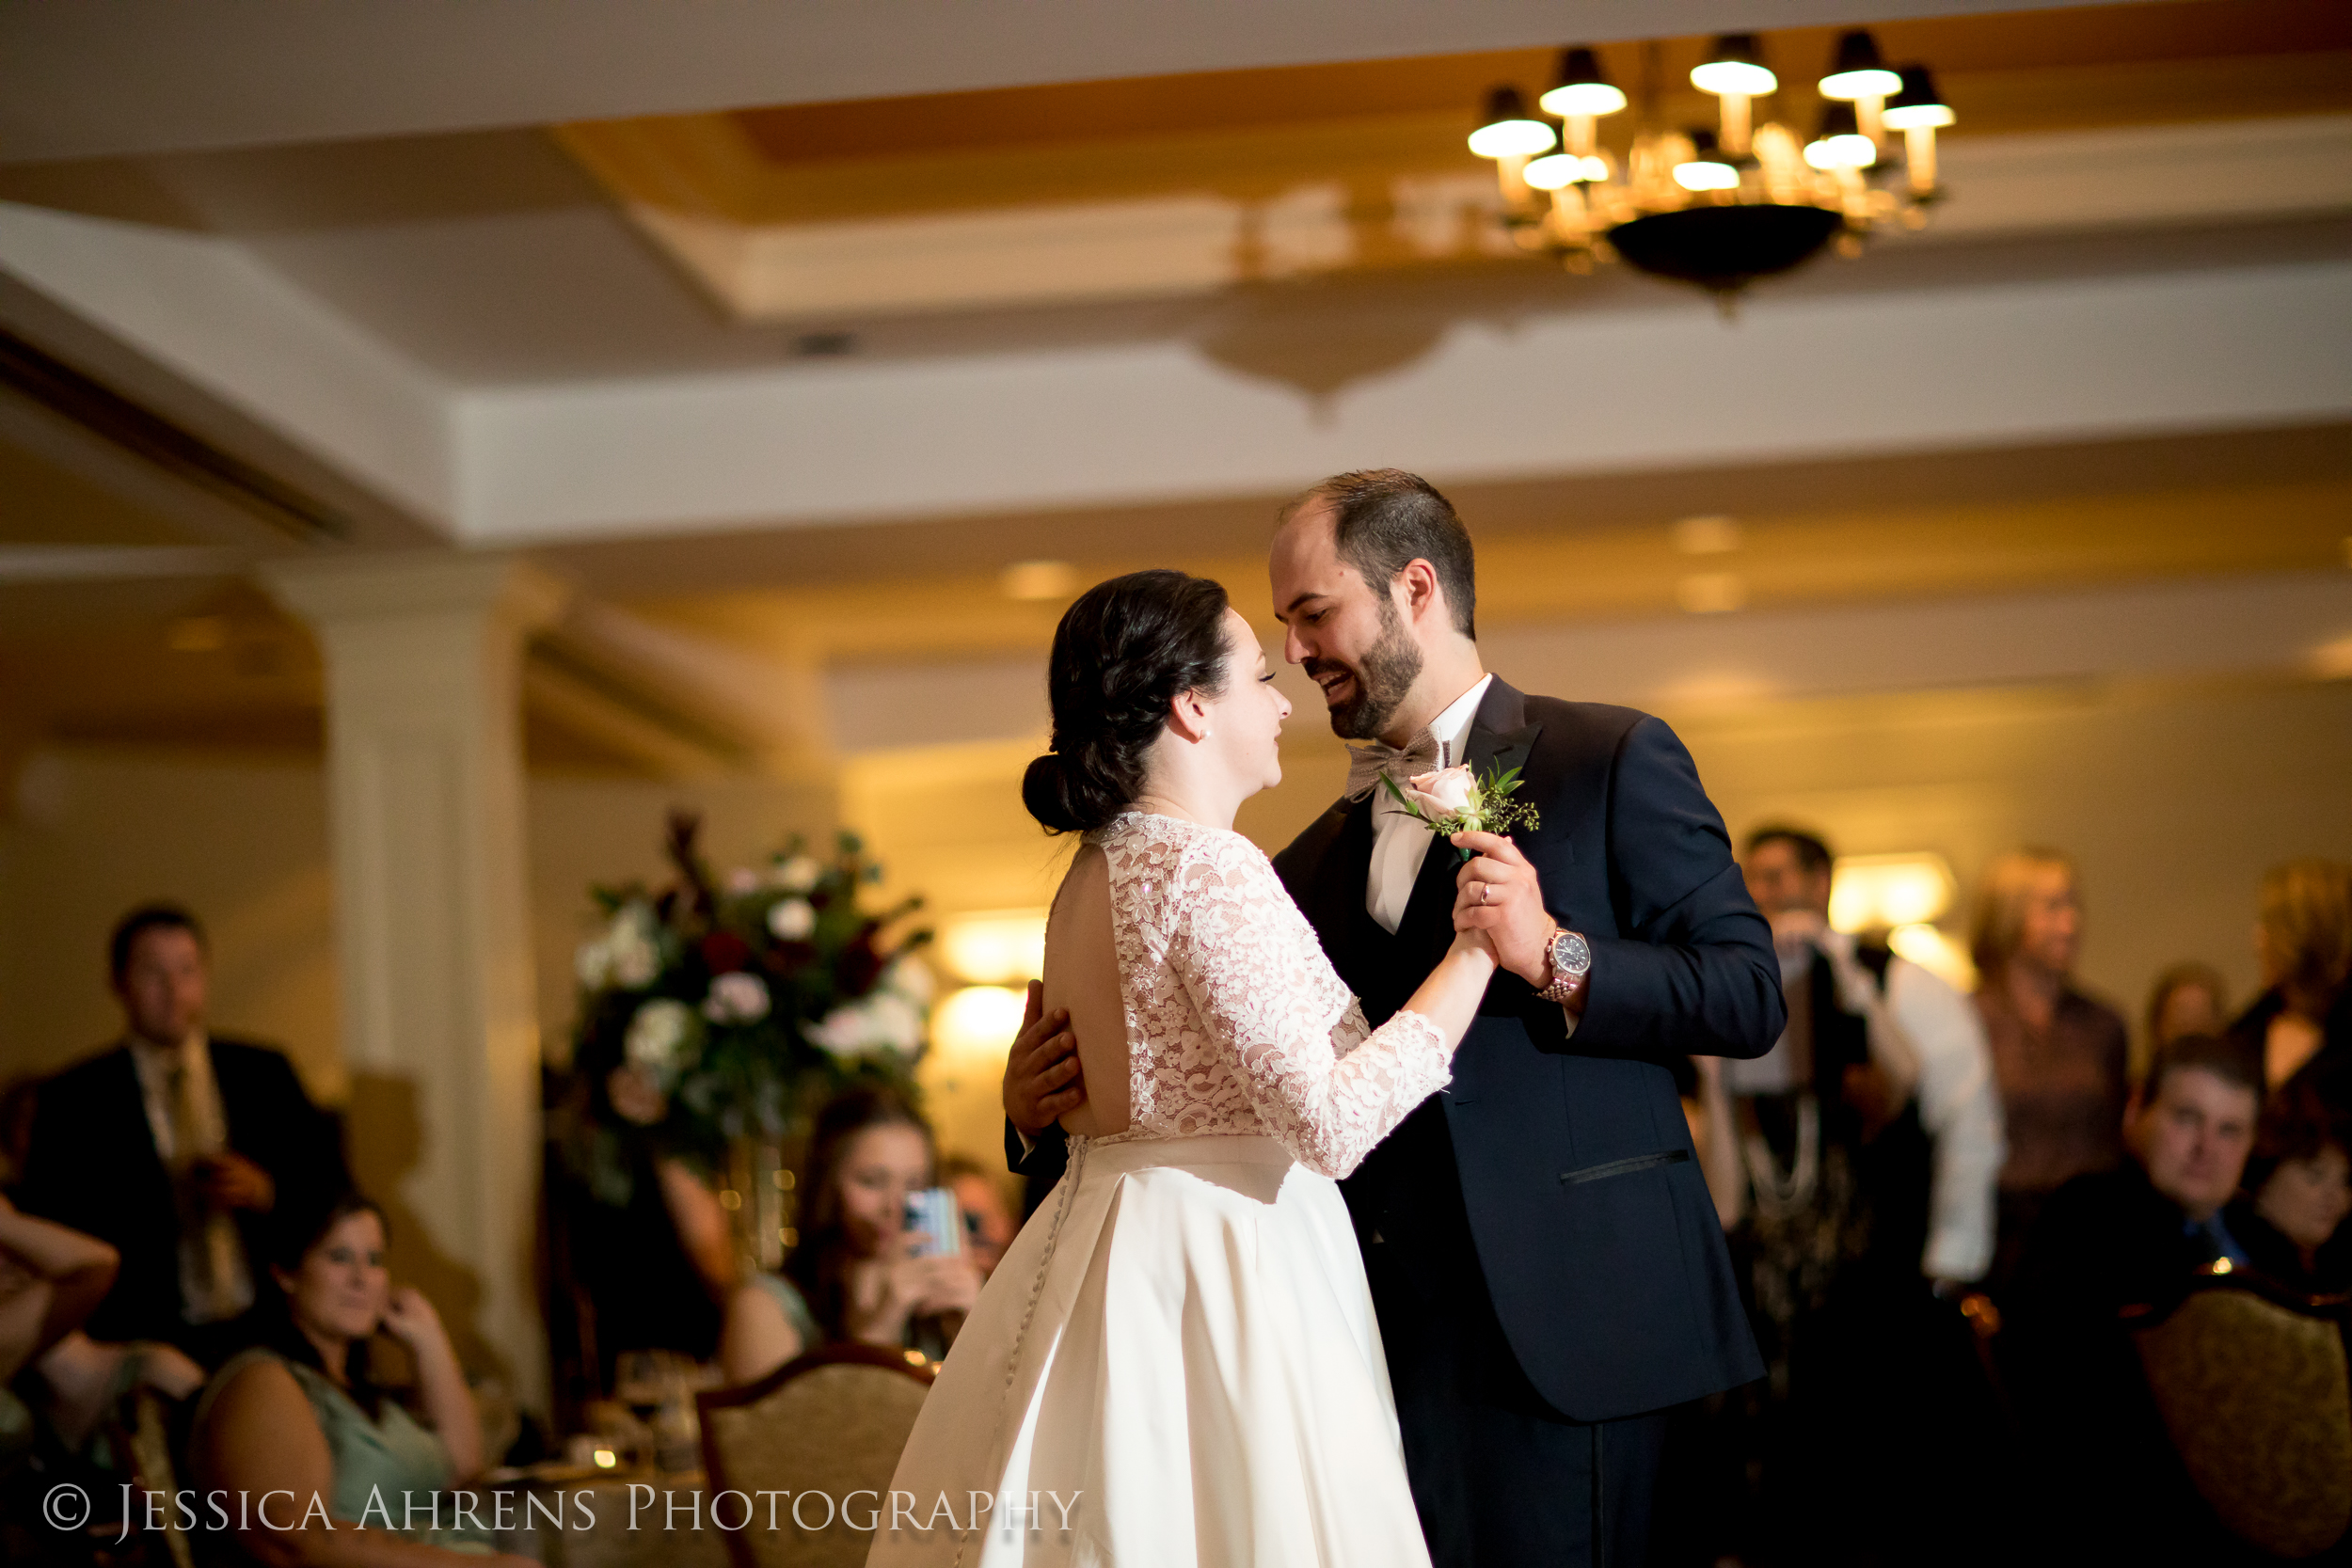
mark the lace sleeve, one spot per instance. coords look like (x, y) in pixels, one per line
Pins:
(1259, 981)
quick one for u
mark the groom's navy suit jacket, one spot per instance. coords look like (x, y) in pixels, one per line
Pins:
(1592, 1229)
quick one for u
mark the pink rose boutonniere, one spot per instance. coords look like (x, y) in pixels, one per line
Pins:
(1456, 800)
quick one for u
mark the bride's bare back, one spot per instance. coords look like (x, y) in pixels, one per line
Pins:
(1082, 974)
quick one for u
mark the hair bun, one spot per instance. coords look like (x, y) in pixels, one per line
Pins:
(1045, 790)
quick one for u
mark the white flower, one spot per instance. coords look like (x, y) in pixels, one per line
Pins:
(896, 1022)
(792, 920)
(633, 945)
(797, 875)
(658, 1034)
(742, 880)
(883, 1018)
(909, 977)
(1447, 792)
(736, 998)
(593, 962)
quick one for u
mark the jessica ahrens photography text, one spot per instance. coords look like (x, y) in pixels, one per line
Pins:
(67, 1507)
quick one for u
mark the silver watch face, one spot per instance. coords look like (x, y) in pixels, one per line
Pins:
(1571, 953)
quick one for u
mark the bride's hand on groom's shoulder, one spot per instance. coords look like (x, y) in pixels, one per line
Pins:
(1043, 1080)
(1496, 894)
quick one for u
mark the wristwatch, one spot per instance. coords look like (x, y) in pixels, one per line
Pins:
(1571, 962)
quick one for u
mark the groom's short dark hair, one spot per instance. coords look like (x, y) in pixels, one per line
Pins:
(1382, 519)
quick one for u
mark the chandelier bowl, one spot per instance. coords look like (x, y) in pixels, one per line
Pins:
(1726, 247)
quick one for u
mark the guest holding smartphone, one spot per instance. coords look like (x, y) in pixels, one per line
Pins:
(857, 1271)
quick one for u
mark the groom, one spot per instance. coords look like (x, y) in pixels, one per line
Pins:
(1546, 1265)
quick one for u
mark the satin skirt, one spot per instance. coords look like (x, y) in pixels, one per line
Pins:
(1176, 1363)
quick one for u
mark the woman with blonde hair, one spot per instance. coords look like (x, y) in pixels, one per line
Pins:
(2300, 1027)
(2060, 1057)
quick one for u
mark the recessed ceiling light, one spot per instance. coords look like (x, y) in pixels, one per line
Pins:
(1714, 534)
(1040, 579)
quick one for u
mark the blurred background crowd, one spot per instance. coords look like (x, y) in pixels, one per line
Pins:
(1963, 1223)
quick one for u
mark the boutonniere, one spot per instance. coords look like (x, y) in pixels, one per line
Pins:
(1456, 800)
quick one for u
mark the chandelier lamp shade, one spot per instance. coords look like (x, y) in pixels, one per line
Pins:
(1723, 205)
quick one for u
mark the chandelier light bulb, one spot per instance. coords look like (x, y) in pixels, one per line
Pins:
(1850, 151)
(1918, 105)
(1705, 174)
(1582, 89)
(1735, 65)
(1841, 143)
(1857, 72)
(1553, 171)
(1508, 132)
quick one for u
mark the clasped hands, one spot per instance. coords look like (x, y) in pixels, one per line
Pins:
(1495, 892)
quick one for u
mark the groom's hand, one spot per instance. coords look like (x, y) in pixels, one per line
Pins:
(1497, 892)
(1041, 1080)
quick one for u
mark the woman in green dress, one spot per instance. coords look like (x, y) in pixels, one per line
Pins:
(299, 1414)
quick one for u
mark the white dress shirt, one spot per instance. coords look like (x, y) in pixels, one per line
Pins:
(1928, 1037)
(215, 1282)
(1399, 839)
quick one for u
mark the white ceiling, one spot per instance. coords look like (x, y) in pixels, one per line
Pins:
(127, 76)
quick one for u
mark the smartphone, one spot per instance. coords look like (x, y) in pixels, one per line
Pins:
(936, 1223)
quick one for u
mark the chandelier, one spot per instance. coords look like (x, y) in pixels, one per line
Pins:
(1722, 207)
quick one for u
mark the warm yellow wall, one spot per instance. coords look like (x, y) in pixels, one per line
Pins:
(242, 844)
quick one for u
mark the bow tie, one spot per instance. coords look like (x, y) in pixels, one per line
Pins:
(1366, 763)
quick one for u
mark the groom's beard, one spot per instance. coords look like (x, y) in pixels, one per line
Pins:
(1380, 684)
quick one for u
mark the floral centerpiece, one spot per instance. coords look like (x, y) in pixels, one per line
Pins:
(716, 1011)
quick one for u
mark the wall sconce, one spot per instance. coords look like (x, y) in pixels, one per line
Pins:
(993, 947)
(1874, 893)
(1903, 895)
(977, 1023)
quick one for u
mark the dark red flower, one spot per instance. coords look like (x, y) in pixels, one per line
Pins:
(725, 952)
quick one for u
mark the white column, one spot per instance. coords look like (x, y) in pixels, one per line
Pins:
(424, 659)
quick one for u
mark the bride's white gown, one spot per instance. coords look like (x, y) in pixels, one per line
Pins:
(1179, 1348)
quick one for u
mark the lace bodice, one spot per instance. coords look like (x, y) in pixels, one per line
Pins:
(1235, 1020)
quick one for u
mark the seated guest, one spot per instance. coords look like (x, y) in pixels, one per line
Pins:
(2133, 1236)
(300, 1413)
(50, 1279)
(2060, 1057)
(174, 1146)
(854, 1272)
(2300, 1027)
(2298, 1189)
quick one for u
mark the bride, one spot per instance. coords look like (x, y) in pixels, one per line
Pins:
(1176, 1362)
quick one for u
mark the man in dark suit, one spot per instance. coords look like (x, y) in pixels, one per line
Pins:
(1548, 1269)
(175, 1147)
(2109, 1483)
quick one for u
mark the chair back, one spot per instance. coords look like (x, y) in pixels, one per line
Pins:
(138, 1432)
(833, 1423)
(2255, 1391)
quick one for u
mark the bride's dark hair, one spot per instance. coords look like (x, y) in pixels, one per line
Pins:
(1125, 651)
